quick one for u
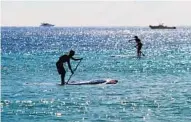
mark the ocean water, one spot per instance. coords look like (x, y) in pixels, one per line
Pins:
(154, 88)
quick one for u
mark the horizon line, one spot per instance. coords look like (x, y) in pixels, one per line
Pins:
(86, 26)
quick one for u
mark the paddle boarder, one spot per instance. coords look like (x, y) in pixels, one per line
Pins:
(63, 59)
(138, 46)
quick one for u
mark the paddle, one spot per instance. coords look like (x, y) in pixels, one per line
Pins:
(142, 54)
(73, 71)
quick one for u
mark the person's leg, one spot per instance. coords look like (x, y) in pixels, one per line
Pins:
(138, 53)
(139, 50)
(63, 77)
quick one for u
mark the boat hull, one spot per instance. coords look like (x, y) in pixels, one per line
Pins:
(46, 25)
(161, 27)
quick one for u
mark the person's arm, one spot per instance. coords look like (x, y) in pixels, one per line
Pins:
(131, 40)
(69, 66)
(76, 59)
(136, 46)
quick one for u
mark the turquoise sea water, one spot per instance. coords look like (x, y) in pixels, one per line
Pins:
(154, 88)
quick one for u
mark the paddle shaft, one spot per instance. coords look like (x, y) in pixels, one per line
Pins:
(73, 71)
(142, 54)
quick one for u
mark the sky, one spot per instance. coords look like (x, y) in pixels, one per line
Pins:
(95, 13)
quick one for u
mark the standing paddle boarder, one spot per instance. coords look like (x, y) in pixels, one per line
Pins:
(63, 59)
(138, 46)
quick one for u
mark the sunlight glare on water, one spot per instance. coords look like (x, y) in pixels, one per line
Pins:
(153, 88)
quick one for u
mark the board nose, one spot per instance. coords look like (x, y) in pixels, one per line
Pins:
(112, 82)
(115, 81)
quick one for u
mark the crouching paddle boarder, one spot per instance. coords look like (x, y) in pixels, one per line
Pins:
(63, 59)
